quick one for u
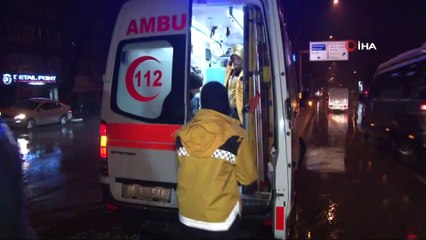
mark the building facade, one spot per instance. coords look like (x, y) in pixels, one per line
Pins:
(52, 49)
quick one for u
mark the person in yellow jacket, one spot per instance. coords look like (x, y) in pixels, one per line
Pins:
(234, 81)
(214, 157)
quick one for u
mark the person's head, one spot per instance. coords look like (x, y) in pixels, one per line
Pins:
(195, 82)
(214, 96)
(237, 55)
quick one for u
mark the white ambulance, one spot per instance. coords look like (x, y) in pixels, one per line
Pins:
(146, 98)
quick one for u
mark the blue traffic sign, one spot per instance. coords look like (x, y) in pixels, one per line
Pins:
(318, 47)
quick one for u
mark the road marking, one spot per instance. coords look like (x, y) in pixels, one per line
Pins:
(421, 179)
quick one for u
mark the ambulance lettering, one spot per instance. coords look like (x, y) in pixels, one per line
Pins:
(157, 24)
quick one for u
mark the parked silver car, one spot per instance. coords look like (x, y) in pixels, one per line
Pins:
(36, 111)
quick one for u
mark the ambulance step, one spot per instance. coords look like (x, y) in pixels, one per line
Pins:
(255, 204)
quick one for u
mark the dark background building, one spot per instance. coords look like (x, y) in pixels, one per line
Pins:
(62, 38)
(30, 43)
(69, 39)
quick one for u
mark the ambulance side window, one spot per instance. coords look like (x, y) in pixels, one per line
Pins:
(148, 81)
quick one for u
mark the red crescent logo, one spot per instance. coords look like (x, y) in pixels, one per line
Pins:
(129, 79)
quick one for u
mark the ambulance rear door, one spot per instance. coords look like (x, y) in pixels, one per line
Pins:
(144, 102)
(283, 195)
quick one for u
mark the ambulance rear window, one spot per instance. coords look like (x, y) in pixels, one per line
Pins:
(148, 82)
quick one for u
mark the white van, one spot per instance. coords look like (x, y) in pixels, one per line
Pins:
(338, 99)
(396, 108)
(146, 98)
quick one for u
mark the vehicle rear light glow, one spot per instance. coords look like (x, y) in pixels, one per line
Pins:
(423, 107)
(412, 237)
(103, 129)
(103, 152)
(103, 140)
(111, 206)
(267, 222)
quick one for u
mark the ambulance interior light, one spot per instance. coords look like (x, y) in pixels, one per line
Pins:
(236, 16)
(200, 28)
(199, 36)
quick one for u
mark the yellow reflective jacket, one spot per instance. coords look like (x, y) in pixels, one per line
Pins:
(213, 157)
(238, 90)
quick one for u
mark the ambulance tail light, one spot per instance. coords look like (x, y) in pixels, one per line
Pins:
(103, 152)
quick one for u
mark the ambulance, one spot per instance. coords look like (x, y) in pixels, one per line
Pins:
(146, 98)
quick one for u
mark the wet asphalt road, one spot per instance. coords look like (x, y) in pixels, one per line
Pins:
(61, 174)
(352, 187)
(347, 188)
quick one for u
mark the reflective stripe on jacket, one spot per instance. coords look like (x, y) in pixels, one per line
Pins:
(214, 156)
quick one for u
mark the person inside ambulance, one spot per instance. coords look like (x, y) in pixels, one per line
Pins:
(234, 81)
(195, 83)
(214, 157)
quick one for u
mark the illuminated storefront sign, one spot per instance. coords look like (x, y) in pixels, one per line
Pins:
(7, 79)
(33, 79)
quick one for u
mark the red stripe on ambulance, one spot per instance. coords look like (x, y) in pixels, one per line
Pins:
(143, 145)
(149, 136)
(157, 24)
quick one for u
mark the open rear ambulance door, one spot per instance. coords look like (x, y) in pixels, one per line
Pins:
(259, 99)
(144, 102)
(277, 139)
(155, 42)
(268, 120)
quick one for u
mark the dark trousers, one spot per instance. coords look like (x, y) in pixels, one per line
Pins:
(234, 113)
(195, 233)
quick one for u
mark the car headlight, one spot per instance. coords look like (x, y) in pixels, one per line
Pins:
(20, 117)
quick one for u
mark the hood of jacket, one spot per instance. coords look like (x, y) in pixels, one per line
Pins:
(207, 131)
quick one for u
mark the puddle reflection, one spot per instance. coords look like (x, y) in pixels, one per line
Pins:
(340, 118)
(43, 143)
(329, 154)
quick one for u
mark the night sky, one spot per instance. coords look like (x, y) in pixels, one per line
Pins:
(394, 26)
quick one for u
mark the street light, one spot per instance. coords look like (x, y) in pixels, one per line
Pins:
(335, 2)
(331, 37)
